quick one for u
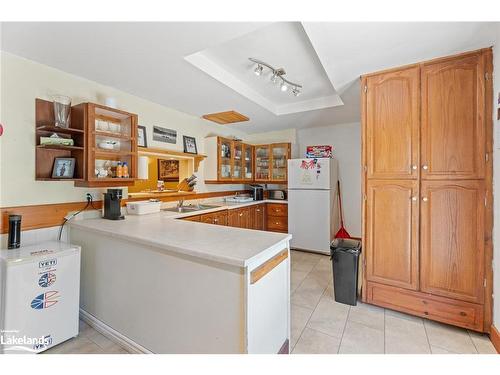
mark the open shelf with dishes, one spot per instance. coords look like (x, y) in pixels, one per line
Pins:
(112, 145)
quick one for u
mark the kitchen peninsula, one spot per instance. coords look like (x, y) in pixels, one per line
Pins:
(198, 288)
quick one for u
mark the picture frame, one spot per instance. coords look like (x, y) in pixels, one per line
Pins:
(63, 168)
(189, 144)
(142, 140)
(168, 170)
(164, 135)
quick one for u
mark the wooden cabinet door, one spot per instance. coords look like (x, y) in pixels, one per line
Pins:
(392, 124)
(258, 217)
(452, 239)
(391, 242)
(239, 218)
(453, 134)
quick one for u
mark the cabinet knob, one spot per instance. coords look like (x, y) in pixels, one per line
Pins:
(414, 199)
(425, 167)
(414, 167)
(425, 199)
(258, 210)
(216, 220)
(277, 223)
(241, 214)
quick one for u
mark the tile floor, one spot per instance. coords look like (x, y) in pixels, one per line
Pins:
(322, 326)
(89, 341)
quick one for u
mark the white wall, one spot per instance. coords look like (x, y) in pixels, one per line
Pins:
(23, 80)
(496, 183)
(346, 142)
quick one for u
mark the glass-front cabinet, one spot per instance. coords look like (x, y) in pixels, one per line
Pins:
(237, 161)
(280, 153)
(225, 165)
(231, 161)
(247, 162)
(262, 163)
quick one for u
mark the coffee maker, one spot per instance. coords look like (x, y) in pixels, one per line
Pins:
(257, 192)
(112, 205)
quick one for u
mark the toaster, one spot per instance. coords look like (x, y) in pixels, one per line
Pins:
(277, 194)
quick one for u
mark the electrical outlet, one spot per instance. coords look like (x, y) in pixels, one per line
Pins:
(94, 194)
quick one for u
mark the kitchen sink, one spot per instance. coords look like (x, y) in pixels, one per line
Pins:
(191, 208)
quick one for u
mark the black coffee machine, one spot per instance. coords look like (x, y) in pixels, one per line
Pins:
(258, 192)
(112, 205)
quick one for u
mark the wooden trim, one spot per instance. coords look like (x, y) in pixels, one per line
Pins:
(51, 215)
(495, 338)
(431, 61)
(488, 180)
(268, 266)
(363, 187)
(285, 348)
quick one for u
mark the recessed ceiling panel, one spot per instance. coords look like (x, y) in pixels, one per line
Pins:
(281, 45)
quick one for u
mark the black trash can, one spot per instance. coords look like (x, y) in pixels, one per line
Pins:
(344, 254)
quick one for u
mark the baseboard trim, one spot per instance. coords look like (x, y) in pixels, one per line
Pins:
(495, 338)
(113, 335)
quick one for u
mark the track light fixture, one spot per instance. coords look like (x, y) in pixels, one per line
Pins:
(276, 76)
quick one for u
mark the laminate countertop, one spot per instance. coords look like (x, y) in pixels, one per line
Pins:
(228, 245)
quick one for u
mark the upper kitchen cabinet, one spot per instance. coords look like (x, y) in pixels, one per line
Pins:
(271, 162)
(392, 124)
(453, 118)
(230, 161)
(111, 137)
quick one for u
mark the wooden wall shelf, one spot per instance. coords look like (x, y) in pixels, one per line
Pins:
(46, 154)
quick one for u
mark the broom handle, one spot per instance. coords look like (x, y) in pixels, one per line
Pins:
(340, 205)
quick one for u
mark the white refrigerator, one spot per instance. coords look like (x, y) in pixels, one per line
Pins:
(313, 213)
(39, 296)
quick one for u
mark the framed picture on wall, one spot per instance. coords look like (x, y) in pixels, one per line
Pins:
(164, 135)
(168, 170)
(190, 145)
(141, 136)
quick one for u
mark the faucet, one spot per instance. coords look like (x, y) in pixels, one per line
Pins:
(180, 204)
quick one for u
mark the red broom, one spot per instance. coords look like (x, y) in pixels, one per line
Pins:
(342, 233)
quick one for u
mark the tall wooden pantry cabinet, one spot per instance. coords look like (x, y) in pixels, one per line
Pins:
(427, 180)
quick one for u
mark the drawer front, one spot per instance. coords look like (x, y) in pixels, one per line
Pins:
(441, 309)
(276, 209)
(192, 218)
(219, 218)
(277, 223)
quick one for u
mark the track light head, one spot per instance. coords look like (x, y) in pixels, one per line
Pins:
(296, 91)
(284, 86)
(258, 70)
(274, 77)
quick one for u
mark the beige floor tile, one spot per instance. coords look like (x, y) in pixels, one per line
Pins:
(308, 293)
(100, 340)
(299, 317)
(296, 278)
(361, 339)
(368, 315)
(329, 317)
(405, 334)
(482, 343)
(84, 328)
(314, 342)
(77, 345)
(450, 338)
(304, 265)
(438, 350)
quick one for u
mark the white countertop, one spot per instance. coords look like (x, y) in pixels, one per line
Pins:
(234, 246)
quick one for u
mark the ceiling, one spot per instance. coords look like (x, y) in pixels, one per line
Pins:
(203, 67)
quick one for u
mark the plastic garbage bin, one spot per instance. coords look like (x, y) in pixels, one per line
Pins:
(344, 254)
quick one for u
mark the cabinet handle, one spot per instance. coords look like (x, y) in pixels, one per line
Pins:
(414, 199)
(425, 167)
(241, 214)
(277, 223)
(414, 167)
(425, 199)
(258, 210)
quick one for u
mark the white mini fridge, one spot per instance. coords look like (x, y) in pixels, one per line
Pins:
(313, 213)
(39, 290)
